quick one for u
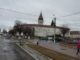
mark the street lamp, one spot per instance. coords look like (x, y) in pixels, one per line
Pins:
(55, 30)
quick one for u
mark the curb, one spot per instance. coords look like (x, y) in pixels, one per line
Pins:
(35, 54)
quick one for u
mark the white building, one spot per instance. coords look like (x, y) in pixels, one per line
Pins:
(75, 34)
(42, 30)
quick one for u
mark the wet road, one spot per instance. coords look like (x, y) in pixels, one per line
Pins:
(8, 51)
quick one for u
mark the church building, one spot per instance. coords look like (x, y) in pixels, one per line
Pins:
(41, 30)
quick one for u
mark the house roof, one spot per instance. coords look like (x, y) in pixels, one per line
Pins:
(75, 32)
(37, 25)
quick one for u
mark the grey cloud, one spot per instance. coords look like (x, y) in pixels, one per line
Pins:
(30, 10)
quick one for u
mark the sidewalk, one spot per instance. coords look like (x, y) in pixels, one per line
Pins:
(58, 48)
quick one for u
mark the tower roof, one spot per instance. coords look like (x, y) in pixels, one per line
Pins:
(40, 16)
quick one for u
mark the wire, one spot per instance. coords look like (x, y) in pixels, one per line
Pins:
(36, 15)
(76, 13)
(17, 11)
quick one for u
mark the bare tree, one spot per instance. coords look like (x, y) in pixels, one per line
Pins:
(12, 32)
(64, 30)
(18, 22)
(4, 31)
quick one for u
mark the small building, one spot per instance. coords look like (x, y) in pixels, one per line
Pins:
(75, 34)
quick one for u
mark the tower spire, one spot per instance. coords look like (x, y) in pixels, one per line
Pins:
(40, 19)
(40, 16)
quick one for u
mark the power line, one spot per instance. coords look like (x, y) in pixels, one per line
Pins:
(17, 11)
(76, 13)
(36, 15)
(15, 16)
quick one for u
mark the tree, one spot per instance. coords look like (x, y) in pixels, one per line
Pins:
(28, 31)
(18, 26)
(12, 32)
(21, 28)
(4, 31)
(64, 30)
(18, 22)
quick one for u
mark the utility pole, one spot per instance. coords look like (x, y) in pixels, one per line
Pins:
(55, 30)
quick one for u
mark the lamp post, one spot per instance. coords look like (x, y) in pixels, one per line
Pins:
(55, 30)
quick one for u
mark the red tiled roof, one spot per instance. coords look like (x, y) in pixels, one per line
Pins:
(37, 25)
(75, 32)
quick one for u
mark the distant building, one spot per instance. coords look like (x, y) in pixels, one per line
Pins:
(75, 34)
(41, 30)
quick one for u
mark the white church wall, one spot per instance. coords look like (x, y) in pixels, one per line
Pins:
(45, 31)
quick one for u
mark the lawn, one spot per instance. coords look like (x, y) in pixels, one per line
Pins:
(50, 53)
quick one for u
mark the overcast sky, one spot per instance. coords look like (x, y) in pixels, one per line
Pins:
(66, 11)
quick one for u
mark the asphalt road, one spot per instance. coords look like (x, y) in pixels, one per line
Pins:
(9, 51)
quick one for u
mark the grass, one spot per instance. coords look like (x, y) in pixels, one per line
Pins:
(50, 53)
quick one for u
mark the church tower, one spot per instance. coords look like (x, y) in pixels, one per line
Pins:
(40, 19)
